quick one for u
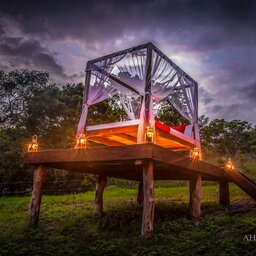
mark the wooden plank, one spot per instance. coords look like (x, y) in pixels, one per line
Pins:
(243, 182)
(148, 201)
(224, 198)
(195, 187)
(105, 141)
(130, 171)
(132, 49)
(112, 125)
(104, 153)
(100, 186)
(178, 149)
(94, 160)
(127, 137)
(125, 141)
(187, 163)
(162, 134)
(110, 131)
(35, 203)
(163, 171)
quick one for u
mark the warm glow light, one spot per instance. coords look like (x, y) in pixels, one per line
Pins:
(229, 165)
(149, 135)
(33, 145)
(195, 153)
(81, 141)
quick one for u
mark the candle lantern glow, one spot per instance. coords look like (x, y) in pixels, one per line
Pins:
(33, 145)
(81, 141)
(149, 135)
(229, 165)
(195, 153)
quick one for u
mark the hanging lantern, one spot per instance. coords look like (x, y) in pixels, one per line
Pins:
(195, 153)
(81, 141)
(33, 145)
(149, 135)
(229, 165)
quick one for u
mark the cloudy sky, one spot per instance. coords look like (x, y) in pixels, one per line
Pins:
(214, 41)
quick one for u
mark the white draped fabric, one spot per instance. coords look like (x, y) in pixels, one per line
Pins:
(127, 75)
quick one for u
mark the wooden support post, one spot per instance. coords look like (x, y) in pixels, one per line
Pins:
(34, 206)
(195, 187)
(149, 200)
(224, 198)
(140, 193)
(100, 186)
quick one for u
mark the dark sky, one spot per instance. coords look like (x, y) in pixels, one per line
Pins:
(213, 41)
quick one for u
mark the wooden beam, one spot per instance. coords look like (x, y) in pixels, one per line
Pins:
(148, 201)
(162, 134)
(105, 141)
(178, 149)
(88, 155)
(127, 137)
(187, 163)
(132, 49)
(34, 206)
(242, 181)
(98, 202)
(109, 131)
(224, 198)
(195, 186)
(140, 193)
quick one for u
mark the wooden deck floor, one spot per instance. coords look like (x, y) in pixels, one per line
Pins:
(126, 162)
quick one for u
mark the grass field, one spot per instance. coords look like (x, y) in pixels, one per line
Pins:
(69, 226)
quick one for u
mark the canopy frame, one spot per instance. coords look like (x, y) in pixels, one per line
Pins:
(147, 73)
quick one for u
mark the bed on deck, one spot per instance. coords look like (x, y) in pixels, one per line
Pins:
(177, 138)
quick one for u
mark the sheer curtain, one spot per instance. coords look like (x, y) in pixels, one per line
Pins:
(166, 82)
(129, 68)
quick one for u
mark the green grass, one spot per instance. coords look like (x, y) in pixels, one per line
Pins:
(69, 226)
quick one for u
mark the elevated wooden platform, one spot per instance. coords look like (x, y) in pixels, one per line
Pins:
(126, 162)
(142, 162)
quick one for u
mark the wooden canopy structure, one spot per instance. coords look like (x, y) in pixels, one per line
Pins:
(141, 78)
(125, 151)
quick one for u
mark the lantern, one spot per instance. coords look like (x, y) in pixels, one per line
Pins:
(149, 135)
(195, 153)
(81, 141)
(33, 145)
(229, 165)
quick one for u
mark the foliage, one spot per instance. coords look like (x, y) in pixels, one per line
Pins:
(168, 115)
(227, 137)
(31, 106)
(108, 111)
(16, 89)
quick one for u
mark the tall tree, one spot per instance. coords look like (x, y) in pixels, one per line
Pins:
(16, 88)
(227, 137)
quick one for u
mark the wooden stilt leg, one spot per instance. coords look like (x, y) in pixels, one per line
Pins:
(195, 187)
(140, 193)
(224, 198)
(100, 186)
(149, 200)
(34, 206)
